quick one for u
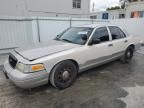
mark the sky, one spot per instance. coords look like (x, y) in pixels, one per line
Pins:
(101, 5)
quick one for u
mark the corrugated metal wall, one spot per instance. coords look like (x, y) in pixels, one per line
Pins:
(18, 32)
(50, 27)
(15, 33)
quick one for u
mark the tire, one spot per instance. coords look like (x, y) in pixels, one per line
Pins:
(63, 74)
(128, 55)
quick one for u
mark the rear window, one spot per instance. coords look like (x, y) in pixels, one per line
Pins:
(116, 33)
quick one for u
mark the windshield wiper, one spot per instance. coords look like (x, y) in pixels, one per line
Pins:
(67, 40)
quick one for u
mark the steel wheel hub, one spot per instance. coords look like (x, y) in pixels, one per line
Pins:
(65, 75)
(128, 54)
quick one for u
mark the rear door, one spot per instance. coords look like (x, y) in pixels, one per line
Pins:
(98, 53)
(119, 41)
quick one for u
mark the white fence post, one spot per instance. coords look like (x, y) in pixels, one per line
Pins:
(70, 22)
(38, 30)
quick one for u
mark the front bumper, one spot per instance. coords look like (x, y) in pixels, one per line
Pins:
(23, 80)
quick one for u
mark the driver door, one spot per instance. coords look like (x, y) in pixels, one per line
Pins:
(100, 52)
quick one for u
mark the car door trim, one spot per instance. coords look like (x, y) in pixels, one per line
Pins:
(99, 61)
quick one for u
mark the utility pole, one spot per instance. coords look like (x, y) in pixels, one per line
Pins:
(93, 7)
(124, 3)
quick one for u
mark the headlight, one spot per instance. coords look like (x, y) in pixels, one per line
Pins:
(21, 67)
(29, 68)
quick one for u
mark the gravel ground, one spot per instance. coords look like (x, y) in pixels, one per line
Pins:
(102, 87)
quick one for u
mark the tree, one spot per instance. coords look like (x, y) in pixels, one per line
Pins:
(123, 4)
(114, 8)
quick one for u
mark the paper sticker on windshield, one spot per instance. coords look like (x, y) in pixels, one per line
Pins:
(83, 33)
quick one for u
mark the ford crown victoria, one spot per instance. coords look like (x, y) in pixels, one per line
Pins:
(76, 49)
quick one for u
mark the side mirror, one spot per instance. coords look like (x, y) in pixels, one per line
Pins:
(57, 36)
(94, 41)
(84, 37)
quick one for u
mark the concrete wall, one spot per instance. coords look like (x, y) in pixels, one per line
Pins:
(12, 8)
(61, 8)
(114, 14)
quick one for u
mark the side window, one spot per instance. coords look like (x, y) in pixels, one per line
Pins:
(101, 34)
(123, 35)
(116, 33)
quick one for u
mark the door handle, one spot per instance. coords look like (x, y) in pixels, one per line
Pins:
(110, 45)
(125, 41)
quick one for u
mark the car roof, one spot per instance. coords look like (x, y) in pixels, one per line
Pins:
(95, 25)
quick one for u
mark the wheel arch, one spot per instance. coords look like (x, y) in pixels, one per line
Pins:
(76, 63)
(72, 60)
(132, 45)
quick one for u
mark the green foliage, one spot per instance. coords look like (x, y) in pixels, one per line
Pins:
(114, 8)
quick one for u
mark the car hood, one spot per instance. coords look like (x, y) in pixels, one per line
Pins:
(41, 50)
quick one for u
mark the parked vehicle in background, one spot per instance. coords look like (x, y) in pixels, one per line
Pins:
(73, 51)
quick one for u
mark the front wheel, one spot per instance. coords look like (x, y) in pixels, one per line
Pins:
(63, 74)
(128, 55)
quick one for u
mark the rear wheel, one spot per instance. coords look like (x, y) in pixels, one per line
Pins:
(128, 55)
(63, 74)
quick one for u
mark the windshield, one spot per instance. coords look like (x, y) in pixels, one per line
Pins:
(76, 35)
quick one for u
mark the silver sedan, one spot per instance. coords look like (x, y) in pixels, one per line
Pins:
(73, 51)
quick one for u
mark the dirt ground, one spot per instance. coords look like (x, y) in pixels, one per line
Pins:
(101, 87)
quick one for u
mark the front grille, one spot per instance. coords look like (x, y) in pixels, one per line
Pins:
(12, 61)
